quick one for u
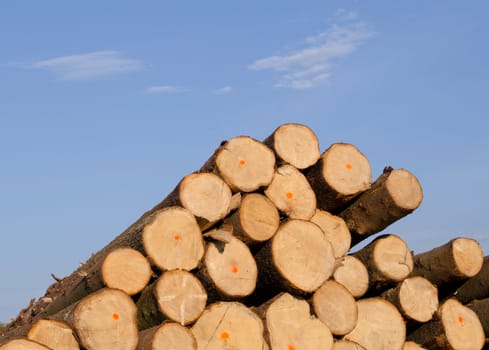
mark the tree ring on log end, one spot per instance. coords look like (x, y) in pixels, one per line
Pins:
(393, 257)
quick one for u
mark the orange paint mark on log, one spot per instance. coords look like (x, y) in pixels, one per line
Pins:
(291, 347)
(176, 237)
(289, 195)
(242, 162)
(224, 335)
(348, 166)
(234, 269)
(461, 319)
(115, 316)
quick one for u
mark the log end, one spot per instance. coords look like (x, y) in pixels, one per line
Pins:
(53, 334)
(468, 256)
(405, 189)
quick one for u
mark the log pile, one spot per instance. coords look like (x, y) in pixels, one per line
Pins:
(254, 251)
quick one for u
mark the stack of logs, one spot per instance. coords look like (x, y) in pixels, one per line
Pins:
(253, 252)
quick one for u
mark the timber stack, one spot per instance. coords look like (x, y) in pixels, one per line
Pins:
(255, 251)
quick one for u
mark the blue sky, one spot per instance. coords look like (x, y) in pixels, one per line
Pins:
(105, 106)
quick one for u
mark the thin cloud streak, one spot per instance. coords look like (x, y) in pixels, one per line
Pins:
(89, 66)
(165, 89)
(224, 90)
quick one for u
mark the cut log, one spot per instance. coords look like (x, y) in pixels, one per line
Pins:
(291, 193)
(341, 174)
(352, 274)
(298, 258)
(410, 345)
(455, 327)
(173, 240)
(334, 305)
(244, 163)
(22, 344)
(450, 264)
(53, 334)
(168, 336)
(346, 345)
(481, 308)
(379, 326)
(395, 194)
(335, 230)
(476, 287)
(229, 325)
(256, 220)
(294, 144)
(388, 260)
(415, 298)
(290, 325)
(177, 295)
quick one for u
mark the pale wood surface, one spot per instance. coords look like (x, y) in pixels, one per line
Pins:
(53, 334)
(167, 336)
(352, 274)
(410, 345)
(22, 344)
(481, 308)
(346, 345)
(335, 230)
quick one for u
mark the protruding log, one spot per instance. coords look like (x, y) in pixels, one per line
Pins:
(244, 163)
(291, 193)
(295, 144)
(346, 345)
(177, 295)
(341, 174)
(410, 345)
(256, 220)
(53, 334)
(415, 298)
(289, 325)
(229, 325)
(298, 258)
(395, 194)
(455, 327)
(173, 240)
(379, 326)
(168, 336)
(334, 305)
(352, 274)
(22, 344)
(335, 230)
(476, 287)
(481, 308)
(450, 263)
(388, 260)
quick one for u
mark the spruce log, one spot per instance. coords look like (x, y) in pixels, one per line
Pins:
(341, 174)
(177, 295)
(229, 325)
(22, 344)
(334, 305)
(410, 345)
(388, 260)
(379, 326)
(476, 287)
(335, 230)
(352, 274)
(290, 325)
(346, 345)
(294, 144)
(291, 193)
(455, 327)
(167, 336)
(481, 308)
(244, 163)
(53, 334)
(395, 194)
(415, 298)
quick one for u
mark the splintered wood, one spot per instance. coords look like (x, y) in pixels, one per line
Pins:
(254, 252)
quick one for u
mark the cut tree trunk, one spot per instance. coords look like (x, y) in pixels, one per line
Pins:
(455, 327)
(256, 220)
(294, 144)
(379, 326)
(22, 344)
(395, 194)
(177, 295)
(291, 193)
(476, 287)
(244, 163)
(335, 230)
(388, 260)
(410, 345)
(229, 325)
(341, 174)
(346, 345)
(53, 334)
(352, 274)
(334, 305)
(290, 325)
(481, 308)
(167, 336)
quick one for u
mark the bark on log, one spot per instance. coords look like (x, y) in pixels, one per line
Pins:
(379, 326)
(168, 336)
(22, 344)
(410, 345)
(229, 325)
(294, 144)
(352, 274)
(395, 194)
(334, 305)
(335, 230)
(455, 327)
(346, 345)
(244, 163)
(476, 287)
(341, 174)
(481, 308)
(291, 193)
(53, 334)
(388, 260)
(290, 325)
(177, 295)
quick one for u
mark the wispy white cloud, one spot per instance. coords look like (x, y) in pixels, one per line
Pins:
(165, 89)
(346, 15)
(91, 65)
(224, 90)
(312, 65)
